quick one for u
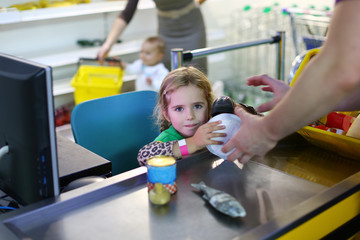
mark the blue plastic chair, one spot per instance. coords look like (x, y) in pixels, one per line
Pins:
(116, 127)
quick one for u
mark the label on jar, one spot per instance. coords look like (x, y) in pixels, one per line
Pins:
(162, 169)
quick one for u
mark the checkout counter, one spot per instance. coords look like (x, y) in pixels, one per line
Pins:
(278, 204)
(77, 162)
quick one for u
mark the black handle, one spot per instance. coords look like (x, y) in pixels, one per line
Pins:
(112, 60)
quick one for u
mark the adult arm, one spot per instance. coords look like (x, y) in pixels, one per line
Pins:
(330, 78)
(118, 28)
(351, 103)
(326, 81)
(280, 88)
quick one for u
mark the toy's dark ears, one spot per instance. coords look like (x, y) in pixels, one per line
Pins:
(225, 104)
(222, 104)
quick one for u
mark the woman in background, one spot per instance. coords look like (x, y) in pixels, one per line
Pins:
(180, 25)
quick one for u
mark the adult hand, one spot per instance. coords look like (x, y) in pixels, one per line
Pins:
(251, 140)
(115, 32)
(103, 52)
(279, 88)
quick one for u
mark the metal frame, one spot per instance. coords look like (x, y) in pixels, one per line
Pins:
(309, 18)
(178, 55)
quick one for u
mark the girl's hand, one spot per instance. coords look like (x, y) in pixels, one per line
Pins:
(279, 88)
(204, 134)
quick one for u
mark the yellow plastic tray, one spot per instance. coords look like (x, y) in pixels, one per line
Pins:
(343, 145)
(92, 82)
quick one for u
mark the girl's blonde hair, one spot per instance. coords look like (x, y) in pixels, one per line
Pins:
(175, 79)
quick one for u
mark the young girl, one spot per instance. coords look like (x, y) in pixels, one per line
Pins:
(183, 110)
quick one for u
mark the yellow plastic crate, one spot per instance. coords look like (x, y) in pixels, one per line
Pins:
(343, 145)
(92, 82)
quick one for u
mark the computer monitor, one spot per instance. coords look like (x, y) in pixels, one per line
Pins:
(28, 156)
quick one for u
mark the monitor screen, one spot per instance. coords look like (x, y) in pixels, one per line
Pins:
(28, 157)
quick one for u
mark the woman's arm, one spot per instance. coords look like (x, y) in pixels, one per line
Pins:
(118, 28)
(351, 103)
(330, 77)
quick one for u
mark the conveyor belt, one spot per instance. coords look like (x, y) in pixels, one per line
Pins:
(277, 203)
(122, 209)
(296, 156)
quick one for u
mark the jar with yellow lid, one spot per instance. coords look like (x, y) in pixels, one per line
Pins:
(162, 169)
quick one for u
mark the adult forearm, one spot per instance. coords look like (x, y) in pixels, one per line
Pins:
(322, 86)
(116, 30)
(351, 103)
(327, 81)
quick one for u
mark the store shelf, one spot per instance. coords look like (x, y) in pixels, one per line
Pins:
(130, 47)
(63, 86)
(72, 57)
(63, 62)
(12, 15)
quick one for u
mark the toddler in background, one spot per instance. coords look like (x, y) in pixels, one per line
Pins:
(149, 69)
(183, 111)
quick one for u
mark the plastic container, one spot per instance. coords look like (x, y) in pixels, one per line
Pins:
(313, 42)
(343, 145)
(92, 82)
(162, 169)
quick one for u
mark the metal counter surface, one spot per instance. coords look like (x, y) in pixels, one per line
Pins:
(119, 207)
(296, 156)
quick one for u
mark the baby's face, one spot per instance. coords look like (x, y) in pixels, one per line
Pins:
(150, 54)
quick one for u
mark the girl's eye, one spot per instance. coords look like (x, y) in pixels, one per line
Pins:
(198, 106)
(179, 109)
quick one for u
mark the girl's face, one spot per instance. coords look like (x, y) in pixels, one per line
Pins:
(187, 109)
(150, 54)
